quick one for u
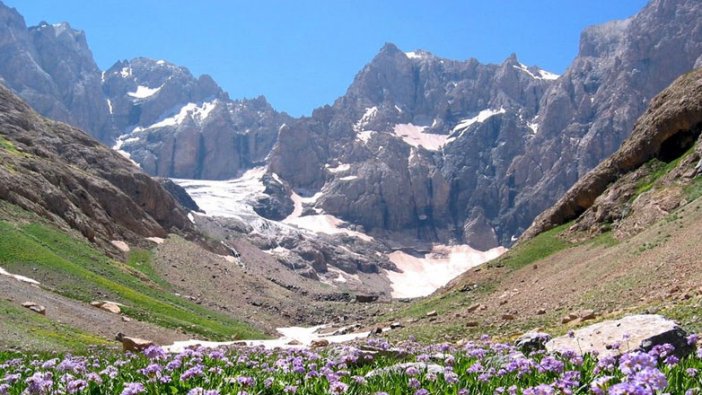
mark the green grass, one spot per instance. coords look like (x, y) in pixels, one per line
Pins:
(540, 247)
(77, 270)
(658, 170)
(694, 189)
(8, 146)
(29, 330)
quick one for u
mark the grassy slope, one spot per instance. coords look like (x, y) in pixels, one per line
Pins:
(74, 269)
(28, 330)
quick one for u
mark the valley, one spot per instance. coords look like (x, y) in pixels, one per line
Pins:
(439, 225)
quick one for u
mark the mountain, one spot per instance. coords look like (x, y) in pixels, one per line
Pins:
(69, 178)
(419, 147)
(623, 240)
(174, 124)
(499, 143)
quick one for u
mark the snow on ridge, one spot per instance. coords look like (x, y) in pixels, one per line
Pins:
(533, 126)
(480, 118)
(190, 110)
(142, 92)
(126, 72)
(368, 116)
(416, 55)
(338, 169)
(364, 136)
(542, 74)
(414, 135)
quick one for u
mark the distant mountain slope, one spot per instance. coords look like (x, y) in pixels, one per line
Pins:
(66, 176)
(624, 239)
(174, 124)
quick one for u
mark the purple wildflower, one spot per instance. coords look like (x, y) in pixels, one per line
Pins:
(133, 389)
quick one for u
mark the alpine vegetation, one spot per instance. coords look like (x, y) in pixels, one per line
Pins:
(374, 367)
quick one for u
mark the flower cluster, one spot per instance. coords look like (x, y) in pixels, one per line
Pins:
(375, 367)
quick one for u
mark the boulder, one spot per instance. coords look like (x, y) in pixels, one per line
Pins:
(612, 337)
(35, 307)
(532, 341)
(366, 298)
(133, 344)
(112, 307)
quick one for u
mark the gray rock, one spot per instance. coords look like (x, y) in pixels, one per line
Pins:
(532, 341)
(422, 367)
(630, 333)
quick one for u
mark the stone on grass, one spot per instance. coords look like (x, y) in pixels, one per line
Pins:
(133, 344)
(613, 337)
(35, 307)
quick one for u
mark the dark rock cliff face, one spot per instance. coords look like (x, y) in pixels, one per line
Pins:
(594, 105)
(670, 127)
(176, 125)
(66, 176)
(52, 68)
(530, 139)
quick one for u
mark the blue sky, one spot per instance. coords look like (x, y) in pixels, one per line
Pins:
(302, 54)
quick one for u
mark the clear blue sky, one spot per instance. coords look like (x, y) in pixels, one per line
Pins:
(302, 54)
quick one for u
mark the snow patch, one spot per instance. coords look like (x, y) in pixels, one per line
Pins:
(230, 198)
(348, 178)
(339, 169)
(160, 62)
(416, 55)
(142, 92)
(126, 72)
(17, 277)
(300, 335)
(482, 116)
(109, 106)
(364, 136)
(190, 110)
(540, 74)
(157, 240)
(366, 118)
(415, 136)
(121, 245)
(423, 275)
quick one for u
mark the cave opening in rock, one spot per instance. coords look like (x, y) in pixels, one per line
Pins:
(677, 144)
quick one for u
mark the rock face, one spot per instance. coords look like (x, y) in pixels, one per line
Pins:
(499, 143)
(69, 178)
(671, 126)
(176, 125)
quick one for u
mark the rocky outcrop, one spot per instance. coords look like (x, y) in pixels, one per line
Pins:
(668, 129)
(613, 337)
(53, 69)
(66, 176)
(179, 193)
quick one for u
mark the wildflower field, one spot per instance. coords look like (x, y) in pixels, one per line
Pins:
(480, 367)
